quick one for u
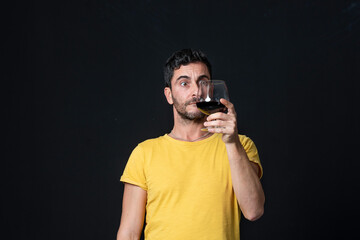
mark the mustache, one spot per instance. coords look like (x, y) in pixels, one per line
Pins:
(193, 100)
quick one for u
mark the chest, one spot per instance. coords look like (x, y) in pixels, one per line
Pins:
(188, 172)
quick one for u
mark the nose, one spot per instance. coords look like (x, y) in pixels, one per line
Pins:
(201, 87)
(195, 90)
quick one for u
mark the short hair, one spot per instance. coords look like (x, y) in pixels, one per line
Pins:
(183, 57)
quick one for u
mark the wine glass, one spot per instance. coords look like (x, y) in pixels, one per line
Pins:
(209, 94)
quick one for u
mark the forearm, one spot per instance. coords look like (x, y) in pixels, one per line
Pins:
(127, 236)
(245, 179)
(133, 212)
(246, 182)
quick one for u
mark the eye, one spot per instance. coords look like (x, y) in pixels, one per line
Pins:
(203, 82)
(183, 84)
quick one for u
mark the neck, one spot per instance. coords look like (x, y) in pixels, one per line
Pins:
(188, 130)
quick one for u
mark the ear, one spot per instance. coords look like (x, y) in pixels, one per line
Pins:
(168, 95)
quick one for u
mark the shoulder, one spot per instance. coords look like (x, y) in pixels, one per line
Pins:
(144, 149)
(151, 142)
(245, 139)
(247, 143)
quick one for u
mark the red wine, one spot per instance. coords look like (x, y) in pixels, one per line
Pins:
(211, 107)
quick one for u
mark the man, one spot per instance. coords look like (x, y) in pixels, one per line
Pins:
(191, 184)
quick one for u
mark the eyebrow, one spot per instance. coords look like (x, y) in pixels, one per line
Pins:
(203, 76)
(187, 77)
(182, 76)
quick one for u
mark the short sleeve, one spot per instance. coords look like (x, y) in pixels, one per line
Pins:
(251, 151)
(134, 172)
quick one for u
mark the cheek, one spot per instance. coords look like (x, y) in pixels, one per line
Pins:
(182, 93)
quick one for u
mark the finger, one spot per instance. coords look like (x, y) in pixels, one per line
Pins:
(218, 115)
(222, 116)
(228, 105)
(215, 123)
(230, 127)
(222, 130)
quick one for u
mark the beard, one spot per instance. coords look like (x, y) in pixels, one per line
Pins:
(181, 110)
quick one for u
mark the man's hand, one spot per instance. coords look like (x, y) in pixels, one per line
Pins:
(224, 123)
(244, 174)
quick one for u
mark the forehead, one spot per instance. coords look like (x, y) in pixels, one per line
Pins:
(191, 70)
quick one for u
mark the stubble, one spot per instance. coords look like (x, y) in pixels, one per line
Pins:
(185, 115)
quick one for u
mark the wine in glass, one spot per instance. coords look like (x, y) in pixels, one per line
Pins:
(209, 94)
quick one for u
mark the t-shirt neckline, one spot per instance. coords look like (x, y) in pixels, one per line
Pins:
(167, 137)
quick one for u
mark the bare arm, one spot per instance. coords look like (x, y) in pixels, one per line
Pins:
(246, 182)
(244, 174)
(133, 213)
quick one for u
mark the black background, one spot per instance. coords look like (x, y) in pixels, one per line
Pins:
(83, 84)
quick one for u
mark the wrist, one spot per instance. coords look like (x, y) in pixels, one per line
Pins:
(231, 139)
(234, 143)
(236, 152)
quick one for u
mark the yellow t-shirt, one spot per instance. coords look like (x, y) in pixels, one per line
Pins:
(189, 187)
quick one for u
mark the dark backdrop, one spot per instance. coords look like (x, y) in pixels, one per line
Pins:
(82, 85)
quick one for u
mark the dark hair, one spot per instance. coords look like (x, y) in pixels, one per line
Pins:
(183, 57)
